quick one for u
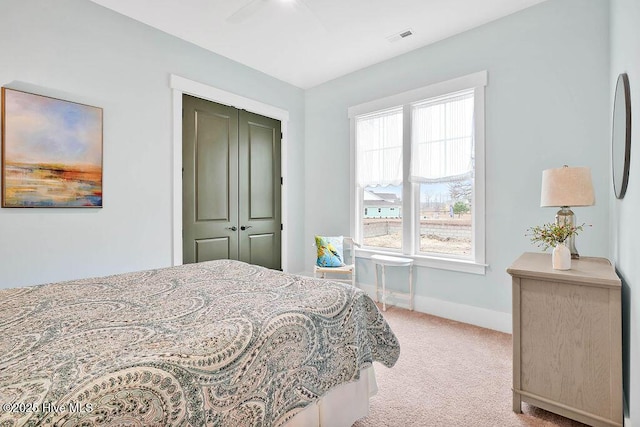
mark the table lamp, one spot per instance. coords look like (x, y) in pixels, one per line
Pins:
(565, 187)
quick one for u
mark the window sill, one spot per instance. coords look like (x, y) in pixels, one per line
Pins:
(451, 264)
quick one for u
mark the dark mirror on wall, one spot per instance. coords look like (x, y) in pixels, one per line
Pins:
(621, 136)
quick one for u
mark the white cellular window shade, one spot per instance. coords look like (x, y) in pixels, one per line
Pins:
(442, 138)
(379, 137)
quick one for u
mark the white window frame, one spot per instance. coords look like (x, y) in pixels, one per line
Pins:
(475, 264)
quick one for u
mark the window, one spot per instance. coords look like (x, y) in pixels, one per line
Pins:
(418, 157)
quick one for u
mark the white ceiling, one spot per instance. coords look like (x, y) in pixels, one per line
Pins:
(308, 42)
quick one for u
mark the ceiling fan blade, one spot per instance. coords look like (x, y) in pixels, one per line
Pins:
(304, 5)
(245, 11)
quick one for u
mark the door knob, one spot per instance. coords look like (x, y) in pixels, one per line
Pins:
(245, 227)
(234, 228)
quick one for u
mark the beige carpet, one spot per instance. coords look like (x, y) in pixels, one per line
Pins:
(449, 374)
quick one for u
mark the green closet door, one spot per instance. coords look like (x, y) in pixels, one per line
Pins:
(260, 205)
(209, 181)
(231, 185)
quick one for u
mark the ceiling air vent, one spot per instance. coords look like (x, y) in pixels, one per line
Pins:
(399, 36)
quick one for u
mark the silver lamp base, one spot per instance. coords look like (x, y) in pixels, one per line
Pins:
(566, 216)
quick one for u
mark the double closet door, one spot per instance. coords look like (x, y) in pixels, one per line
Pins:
(231, 184)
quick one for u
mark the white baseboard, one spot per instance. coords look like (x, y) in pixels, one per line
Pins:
(478, 316)
(483, 317)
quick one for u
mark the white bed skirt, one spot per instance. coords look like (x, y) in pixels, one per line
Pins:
(341, 406)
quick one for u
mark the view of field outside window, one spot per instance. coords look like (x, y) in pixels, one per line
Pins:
(445, 217)
(382, 219)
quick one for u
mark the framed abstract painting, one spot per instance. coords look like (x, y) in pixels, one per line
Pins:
(51, 152)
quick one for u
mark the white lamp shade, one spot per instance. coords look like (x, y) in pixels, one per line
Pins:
(567, 187)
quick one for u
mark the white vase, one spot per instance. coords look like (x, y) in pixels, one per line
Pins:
(561, 257)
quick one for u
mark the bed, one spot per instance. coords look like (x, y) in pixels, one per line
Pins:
(219, 343)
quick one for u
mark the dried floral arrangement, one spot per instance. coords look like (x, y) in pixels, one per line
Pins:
(549, 235)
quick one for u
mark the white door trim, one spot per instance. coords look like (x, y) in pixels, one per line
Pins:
(180, 86)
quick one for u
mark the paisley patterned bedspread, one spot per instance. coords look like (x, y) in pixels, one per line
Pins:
(221, 343)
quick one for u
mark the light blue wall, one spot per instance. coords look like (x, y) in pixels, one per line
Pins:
(547, 104)
(625, 228)
(77, 50)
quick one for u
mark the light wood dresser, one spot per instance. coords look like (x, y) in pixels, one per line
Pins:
(567, 338)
